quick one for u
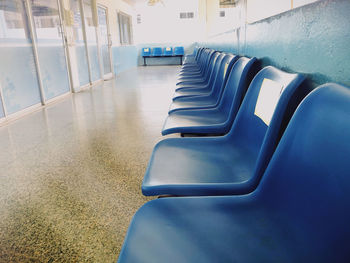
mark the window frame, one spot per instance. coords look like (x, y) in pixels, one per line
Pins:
(122, 17)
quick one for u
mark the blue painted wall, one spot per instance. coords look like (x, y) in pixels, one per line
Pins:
(313, 39)
(124, 58)
(127, 57)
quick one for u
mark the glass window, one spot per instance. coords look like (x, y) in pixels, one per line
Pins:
(18, 76)
(52, 60)
(104, 40)
(90, 15)
(12, 16)
(125, 31)
(46, 20)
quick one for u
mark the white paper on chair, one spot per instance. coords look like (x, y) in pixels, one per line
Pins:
(226, 66)
(269, 95)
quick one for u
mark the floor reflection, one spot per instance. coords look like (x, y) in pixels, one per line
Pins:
(71, 173)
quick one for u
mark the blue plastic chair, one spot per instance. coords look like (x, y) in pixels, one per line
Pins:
(208, 76)
(210, 95)
(168, 51)
(190, 58)
(194, 117)
(213, 89)
(299, 212)
(202, 73)
(192, 102)
(156, 51)
(196, 57)
(146, 52)
(197, 66)
(200, 96)
(234, 163)
(179, 51)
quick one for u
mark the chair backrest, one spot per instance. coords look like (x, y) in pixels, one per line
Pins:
(307, 182)
(205, 59)
(146, 51)
(179, 51)
(236, 86)
(157, 51)
(222, 72)
(213, 69)
(196, 51)
(208, 60)
(260, 118)
(168, 51)
(210, 68)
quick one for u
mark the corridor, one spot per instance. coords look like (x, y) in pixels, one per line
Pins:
(71, 172)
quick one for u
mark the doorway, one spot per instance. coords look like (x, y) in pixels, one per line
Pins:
(105, 42)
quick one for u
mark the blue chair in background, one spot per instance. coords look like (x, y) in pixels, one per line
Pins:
(168, 51)
(145, 53)
(195, 118)
(234, 163)
(190, 58)
(206, 78)
(299, 212)
(190, 74)
(210, 90)
(201, 102)
(196, 66)
(157, 52)
(213, 92)
(179, 52)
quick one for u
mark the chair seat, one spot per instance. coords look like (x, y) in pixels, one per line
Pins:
(199, 89)
(195, 166)
(222, 229)
(204, 121)
(208, 166)
(189, 81)
(298, 213)
(198, 101)
(187, 93)
(190, 86)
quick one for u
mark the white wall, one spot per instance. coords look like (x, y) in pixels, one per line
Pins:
(246, 11)
(217, 24)
(162, 23)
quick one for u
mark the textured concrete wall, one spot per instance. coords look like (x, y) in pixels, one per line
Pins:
(313, 39)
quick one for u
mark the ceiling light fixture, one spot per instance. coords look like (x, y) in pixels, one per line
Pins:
(154, 2)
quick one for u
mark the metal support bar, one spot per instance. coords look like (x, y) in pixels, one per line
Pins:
(3, 102)
(82, 16)
(109, 40)
(35, 50)
(65, 44)
(97, 33)
(168, 56)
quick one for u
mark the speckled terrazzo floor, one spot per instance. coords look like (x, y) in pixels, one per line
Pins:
(71, 173)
